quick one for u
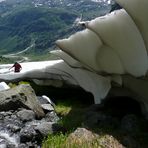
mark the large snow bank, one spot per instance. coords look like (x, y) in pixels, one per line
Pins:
(83, 46)
(118, 31)
(114, 45)
(138, 10)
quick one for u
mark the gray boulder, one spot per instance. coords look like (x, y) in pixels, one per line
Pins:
(44, 128)
(47, 107)
(18, 97)
(26, 115)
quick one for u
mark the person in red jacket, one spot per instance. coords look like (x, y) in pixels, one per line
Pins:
(17, 67)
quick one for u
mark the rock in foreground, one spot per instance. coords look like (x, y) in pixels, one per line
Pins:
(20, 96)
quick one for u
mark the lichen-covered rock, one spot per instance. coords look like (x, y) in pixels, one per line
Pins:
(81, 136)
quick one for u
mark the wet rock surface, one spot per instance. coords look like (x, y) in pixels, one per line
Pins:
(21, 127)
(18, 130)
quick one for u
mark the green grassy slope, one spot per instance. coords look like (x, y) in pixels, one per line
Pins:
(41, 26)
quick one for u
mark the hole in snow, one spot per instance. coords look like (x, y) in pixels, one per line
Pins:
(121, 106)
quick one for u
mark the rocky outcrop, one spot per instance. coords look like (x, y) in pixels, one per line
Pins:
(80, 136)
(87, 138)
(20, 127)
(25, 119)
(20, 96)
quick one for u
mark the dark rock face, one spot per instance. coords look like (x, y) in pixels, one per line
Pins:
(129, 123)
(127, 128)
(20, 126)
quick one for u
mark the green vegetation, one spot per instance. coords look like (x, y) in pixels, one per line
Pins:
(55, 141)
(27, 25)
(11, 85)
(60, 141)
(72, 112)
(4, 60)
(42, 57)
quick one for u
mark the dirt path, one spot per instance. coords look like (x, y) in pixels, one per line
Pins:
(18, 54)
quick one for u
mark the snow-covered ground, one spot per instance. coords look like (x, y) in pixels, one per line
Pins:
(56, 73)
(28, 66)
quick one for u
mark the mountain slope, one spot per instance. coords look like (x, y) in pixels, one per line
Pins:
(41, 26)
(41, 22)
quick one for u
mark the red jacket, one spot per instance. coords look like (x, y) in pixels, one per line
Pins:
(17, 67)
